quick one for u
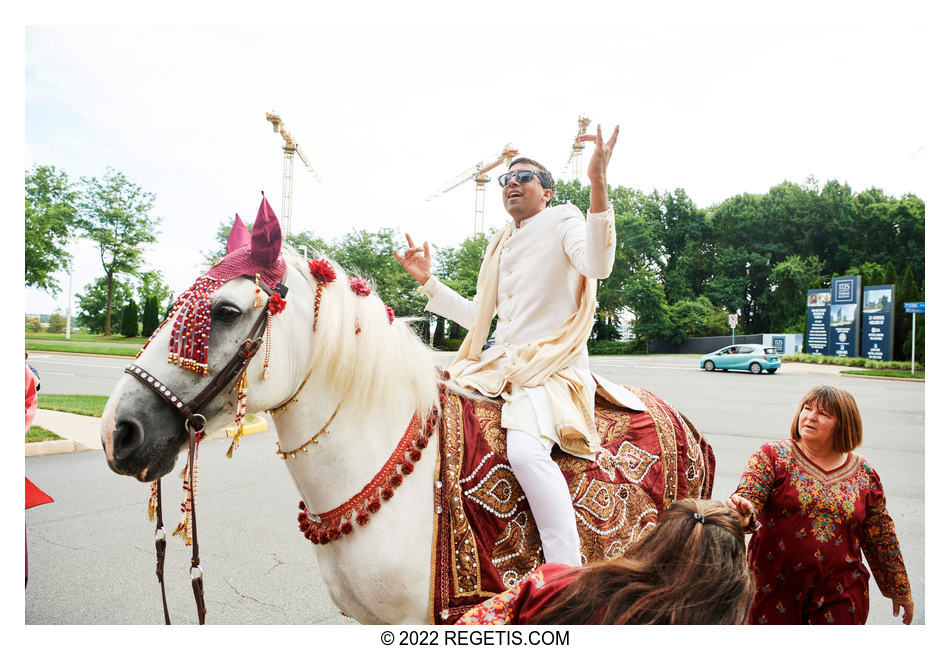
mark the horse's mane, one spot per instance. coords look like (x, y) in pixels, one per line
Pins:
(376, 365)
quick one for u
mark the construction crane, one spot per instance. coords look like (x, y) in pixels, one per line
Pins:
(577, 156)
(290, 148)
(481, 179)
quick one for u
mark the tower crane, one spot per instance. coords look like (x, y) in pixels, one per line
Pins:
(577, 156)
(290, 148)
(481, 179)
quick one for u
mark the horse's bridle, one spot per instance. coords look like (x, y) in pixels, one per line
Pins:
(195, 424)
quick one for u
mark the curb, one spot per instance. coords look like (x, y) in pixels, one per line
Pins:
(54, 447)
(885, 378)
(67, 445)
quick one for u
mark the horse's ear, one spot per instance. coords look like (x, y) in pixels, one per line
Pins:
(265, 237)
(239, 236)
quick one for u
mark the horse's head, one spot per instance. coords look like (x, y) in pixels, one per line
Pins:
(142, 433)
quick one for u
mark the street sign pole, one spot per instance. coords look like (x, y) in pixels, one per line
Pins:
(913, 342)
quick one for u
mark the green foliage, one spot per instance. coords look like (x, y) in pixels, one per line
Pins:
(458, 267)
(50, 217)
(452, 345)
(689, 318)
(116, 214)
(93, 299)
(648, 301)
(438, 338)
(130, 319)
(610, 347)
(150, 320)
(858, 362)
(57, 323)
(33, 324)
(791, 279)
(370, 255)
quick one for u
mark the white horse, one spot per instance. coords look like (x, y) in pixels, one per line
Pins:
(336, 356)
(374, 380)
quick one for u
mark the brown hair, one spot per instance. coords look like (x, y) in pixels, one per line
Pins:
(840, 403)
(691, 569)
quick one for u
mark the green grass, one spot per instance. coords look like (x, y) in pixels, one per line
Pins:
(90, 405)
(918, 374)
(84, 348)
(86, 338)
(859, 362)
(39, 434)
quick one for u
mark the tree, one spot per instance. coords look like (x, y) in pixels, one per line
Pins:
(50, 216)
(150, 320)
(370, 255)
(130, 319)
(690, 318)
(57, 322)
(791, 279)
(648, 302)
(115, 213)
(907, 291)
(93, 300)
(458, 267)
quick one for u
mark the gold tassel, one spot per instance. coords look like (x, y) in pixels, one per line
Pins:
(240, 419)
(153, 501)
(258, 297)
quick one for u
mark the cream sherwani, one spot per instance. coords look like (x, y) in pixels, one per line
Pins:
(541, 277)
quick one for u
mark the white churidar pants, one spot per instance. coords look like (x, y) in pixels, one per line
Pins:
(548, 496)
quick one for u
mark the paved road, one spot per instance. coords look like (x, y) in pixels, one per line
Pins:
(92, 556)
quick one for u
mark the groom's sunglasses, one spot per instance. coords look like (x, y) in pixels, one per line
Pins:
(522, 176)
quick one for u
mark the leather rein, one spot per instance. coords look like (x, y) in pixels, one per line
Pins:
(195, 426)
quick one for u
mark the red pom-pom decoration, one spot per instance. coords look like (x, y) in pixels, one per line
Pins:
(373, 506)
(407, 468)
(276, 304)
(302, 505)
(359, 286)
(390, 313)
(334, 534)
(362, 518)
(322, 271)
(422, 442)
(415, 455)
(346, 528)
(387, 493)
(395, 480)
(323, 538)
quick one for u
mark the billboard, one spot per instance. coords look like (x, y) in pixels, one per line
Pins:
(816, 326)
(845, 315)
(877, 327)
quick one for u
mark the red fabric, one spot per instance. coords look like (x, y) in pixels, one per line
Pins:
(260, 256)
(30, 397)
(812, 526)
(486, 539)
(520, 604)
(239, 236)
(35, 496)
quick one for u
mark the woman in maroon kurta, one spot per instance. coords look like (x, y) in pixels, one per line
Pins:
(690, 569)
(813, 505)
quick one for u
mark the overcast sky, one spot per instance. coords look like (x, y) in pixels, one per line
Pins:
(388, 113)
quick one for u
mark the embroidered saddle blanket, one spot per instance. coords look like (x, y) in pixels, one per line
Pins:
(485, 538)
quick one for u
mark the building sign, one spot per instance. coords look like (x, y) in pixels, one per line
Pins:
(816, 327)
(877, 327)
(845, 315)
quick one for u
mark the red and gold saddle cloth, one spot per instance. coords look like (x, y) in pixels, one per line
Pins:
(485, 538)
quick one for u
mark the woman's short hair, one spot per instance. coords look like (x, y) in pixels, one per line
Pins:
(840, 403)
(690, 569)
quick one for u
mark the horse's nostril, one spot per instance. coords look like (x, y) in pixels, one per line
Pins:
(126, 438)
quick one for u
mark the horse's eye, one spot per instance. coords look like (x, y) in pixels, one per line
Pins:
(226, 312)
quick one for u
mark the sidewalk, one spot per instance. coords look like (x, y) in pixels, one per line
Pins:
(82, 433)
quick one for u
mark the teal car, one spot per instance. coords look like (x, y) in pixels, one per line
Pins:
(744, 356)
